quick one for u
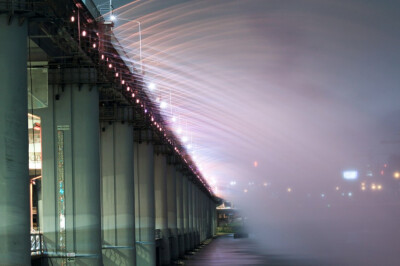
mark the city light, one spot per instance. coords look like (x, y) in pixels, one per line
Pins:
(396, 175)
(232, 183)
(350, 175)
(72, 19)
(255, 163)
(113, 18)
(289, 190)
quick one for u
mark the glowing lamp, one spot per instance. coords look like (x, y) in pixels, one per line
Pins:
(151, 86)
(128, 89)
(94, 45)
(84, 33)
(133, 95)
(350, 175)
(163, 105)
(109, 65)
(72, 19)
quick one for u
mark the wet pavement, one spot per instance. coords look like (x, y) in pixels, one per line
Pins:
(226, 250)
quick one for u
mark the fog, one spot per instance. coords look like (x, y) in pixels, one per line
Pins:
(275, 100)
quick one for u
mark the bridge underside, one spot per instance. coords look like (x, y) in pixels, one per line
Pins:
(105, 182)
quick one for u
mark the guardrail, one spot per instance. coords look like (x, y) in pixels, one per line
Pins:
(36, 244)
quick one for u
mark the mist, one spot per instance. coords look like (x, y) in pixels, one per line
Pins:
(276, 100)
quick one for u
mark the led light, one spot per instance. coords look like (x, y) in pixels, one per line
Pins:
(109, 65)
(151, 86)
(72, 19)
(163, 105)
(337, 188)
(128, 88)
(255, 163)
(152, 119)
(84, 33)
(350, 175)
(396, 175)
(116, 74)
(94, 45)
(133, 95)
(289, 190)
(102, 57)
(113, 18)
(123, 82)
(137, 101)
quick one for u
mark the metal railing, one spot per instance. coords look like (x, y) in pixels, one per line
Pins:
(36, 244)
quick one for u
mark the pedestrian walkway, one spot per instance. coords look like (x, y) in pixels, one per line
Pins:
(226, 250)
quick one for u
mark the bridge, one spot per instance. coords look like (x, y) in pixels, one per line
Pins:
(106, 181)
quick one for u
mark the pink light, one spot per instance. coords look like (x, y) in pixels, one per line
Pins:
(133, 95)
(117, 74)
(72, 19)
(84, 33)
(102, 57)
(152, 119)
(109, 65)
(94, 45)
(145, 110)
(137, 101)
(123, 82)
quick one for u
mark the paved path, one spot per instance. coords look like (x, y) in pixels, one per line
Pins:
(225, 250)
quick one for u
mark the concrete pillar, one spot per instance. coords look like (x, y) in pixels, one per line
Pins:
(118, 201)
(190, 201)
(144, 199)
(14, 176)
(185, 212)
(160, 175)
(196, 214)
(172, 213)
(71, 168)
(202, 211)
(179, 205)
